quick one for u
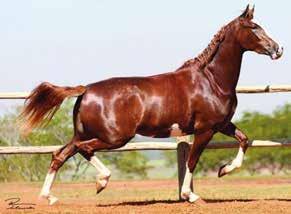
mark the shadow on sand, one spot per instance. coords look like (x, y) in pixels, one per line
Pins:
(151, 202)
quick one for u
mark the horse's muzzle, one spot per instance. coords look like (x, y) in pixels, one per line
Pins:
(276, 53)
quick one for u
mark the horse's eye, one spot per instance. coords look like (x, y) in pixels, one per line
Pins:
(250, 25)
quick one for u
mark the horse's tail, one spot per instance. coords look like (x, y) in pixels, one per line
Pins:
(43, 102)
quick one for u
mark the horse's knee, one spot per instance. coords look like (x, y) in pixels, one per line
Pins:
(243, 140)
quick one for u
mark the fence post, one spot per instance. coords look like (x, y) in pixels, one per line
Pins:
(182, 155)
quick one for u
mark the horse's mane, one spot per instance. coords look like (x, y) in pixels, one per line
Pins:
(209, 52)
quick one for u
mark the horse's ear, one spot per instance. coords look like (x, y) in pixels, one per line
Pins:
(248, 13)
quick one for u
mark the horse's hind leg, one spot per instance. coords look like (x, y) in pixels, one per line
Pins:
(59, 157)
(87, 149)
(232, 131)
(103, 173)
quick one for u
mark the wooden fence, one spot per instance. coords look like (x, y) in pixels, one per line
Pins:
(241, 89)
(143, 146)
(182, 147)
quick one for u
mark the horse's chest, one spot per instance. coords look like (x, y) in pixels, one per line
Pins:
(221, 109)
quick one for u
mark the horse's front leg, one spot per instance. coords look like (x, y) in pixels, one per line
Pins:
(197, 148)
(232, 131)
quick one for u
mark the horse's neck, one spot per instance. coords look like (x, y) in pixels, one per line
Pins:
(225, 66)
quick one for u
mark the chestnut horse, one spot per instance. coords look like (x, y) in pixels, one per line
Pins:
(198, 98)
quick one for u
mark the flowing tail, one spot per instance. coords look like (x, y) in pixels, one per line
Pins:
(43, 102)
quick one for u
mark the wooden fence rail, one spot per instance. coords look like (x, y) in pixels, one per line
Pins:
(143, 146)
(240, 89)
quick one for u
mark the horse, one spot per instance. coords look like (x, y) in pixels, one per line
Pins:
(198, 98)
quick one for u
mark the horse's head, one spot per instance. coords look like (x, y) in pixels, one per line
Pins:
(252, 36)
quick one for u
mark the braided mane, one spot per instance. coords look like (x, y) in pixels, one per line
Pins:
(208, 53)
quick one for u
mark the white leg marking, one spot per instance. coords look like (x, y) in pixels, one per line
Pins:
(186, 192)
(100, 167)
(239, 158)
(237, 162)
(50, 177)
(45, 192)
(103, 173)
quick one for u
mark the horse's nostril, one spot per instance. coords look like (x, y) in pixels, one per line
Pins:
(280, 50)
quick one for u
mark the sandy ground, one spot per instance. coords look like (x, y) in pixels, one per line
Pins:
(231, 195)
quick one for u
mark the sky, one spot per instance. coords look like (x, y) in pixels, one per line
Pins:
(79, 42)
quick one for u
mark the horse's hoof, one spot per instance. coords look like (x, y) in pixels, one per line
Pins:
(99, 187)
(101, 183)
(185, 196)
(50, 200)
(190, 197)
(193, 198)
(221, 171)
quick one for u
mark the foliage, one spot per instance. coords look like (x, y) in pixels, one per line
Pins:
(31, 167)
